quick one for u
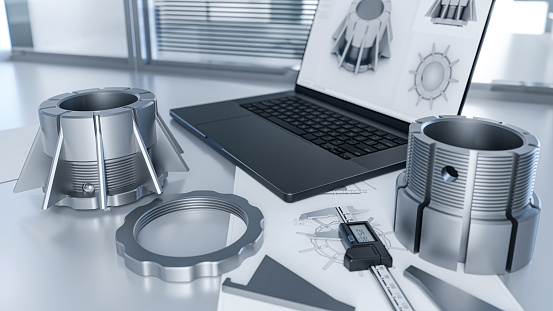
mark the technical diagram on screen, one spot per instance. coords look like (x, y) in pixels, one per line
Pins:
(364, 35)
(433, 75)
(452, 12)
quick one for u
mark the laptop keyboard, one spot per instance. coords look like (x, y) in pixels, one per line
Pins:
(339, 134)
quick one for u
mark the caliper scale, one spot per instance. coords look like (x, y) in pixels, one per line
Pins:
(365, 251)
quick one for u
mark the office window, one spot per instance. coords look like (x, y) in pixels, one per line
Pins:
(268, 33)
(84, 27)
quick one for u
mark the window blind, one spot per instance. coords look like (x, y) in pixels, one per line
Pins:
(240, 29)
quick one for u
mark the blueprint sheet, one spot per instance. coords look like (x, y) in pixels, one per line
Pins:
(294, 242)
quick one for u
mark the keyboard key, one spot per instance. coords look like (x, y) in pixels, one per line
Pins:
(259, 105)
(287, 126)
(375, 137)
(390, 137)
(309, 136)
(328, 137)
(380, 146)
(319, 141)
(401, 141)
(388, 143)
(337, 150)
(352, 142)
(344, 156)
(380, 133)
(366, 148)
(354, 150)
(336, 142)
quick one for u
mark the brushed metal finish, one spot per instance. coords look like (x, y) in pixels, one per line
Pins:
(466, 195)
(104, 147)
(186, 269)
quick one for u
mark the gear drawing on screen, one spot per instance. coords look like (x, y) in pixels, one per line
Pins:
(452, 12)
(364, 36)
(323, 226)
(433, 76)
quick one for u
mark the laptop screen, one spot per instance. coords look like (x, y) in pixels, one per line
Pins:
(403, 58)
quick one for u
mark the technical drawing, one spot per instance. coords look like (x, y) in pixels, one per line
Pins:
(452, 12)
(433, 76)
(324, 236)
(364, 35)
(358, 188)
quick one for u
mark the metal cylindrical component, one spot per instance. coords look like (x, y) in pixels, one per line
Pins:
(104, 147)
(364, 35)
(466, 195)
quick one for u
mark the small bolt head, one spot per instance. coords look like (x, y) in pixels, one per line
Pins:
(88, 188)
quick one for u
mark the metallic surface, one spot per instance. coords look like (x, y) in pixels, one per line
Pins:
(274, 283)
(467, 196)
(98, 148)
(186, 269)
(445, 295)
(364, 35)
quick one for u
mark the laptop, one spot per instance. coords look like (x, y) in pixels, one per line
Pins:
(370, 68)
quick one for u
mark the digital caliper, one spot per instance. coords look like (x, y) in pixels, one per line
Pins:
(365, 251)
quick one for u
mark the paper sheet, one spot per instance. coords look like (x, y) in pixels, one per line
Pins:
(16, 145)
(319, 261)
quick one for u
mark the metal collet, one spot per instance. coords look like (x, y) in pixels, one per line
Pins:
(98, 148)
(467, 194)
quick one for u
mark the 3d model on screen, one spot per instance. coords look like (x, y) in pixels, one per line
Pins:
(452, 12)
(364, 35)
(467, 194)
(98, 148)
(433, 76)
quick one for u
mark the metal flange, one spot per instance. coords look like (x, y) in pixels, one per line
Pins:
(186, 269)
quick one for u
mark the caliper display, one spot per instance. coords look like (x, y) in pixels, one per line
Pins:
(363, 247)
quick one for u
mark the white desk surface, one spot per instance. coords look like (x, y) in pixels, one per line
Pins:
(64, 259)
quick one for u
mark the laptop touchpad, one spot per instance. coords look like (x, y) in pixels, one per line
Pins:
(286, 161)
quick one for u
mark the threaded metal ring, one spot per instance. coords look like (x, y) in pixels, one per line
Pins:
(185, 269)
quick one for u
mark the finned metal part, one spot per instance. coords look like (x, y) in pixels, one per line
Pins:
(466, 195)
(452, 12)
(186, 269)
(364, 35)
(98, 148)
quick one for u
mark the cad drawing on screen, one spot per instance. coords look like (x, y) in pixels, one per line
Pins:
(364, 36)
(433, 76)
(452, 12)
